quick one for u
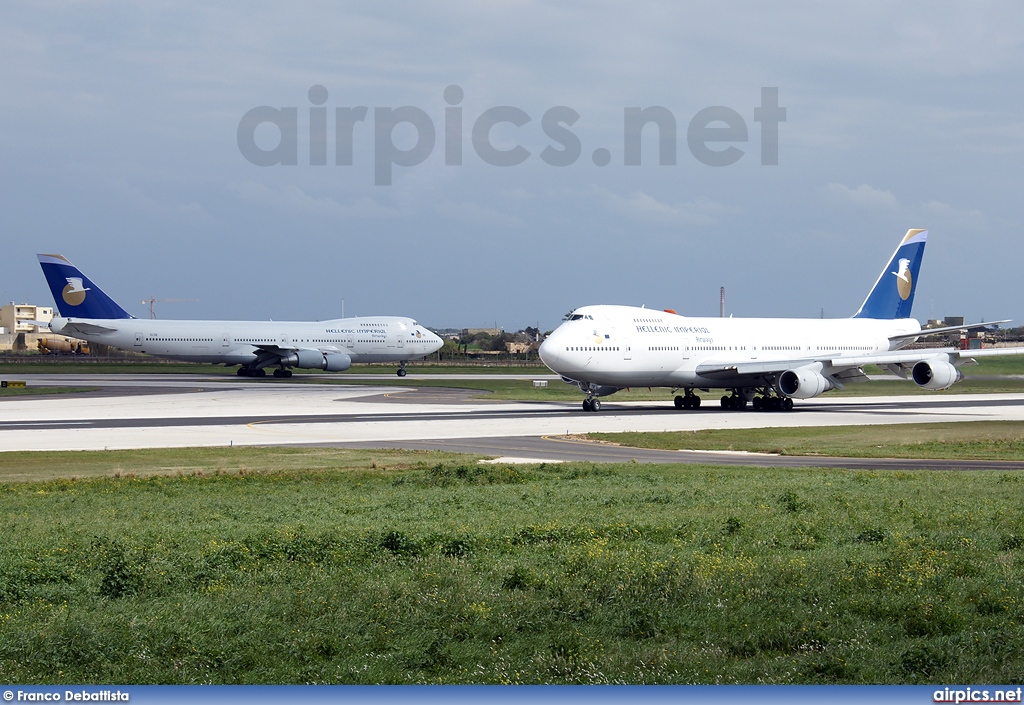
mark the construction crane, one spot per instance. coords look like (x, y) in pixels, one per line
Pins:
(151, 301)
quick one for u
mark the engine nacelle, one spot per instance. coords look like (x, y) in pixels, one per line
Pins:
(316, 360)
(802, 383)
(935, 374)
(336, 362)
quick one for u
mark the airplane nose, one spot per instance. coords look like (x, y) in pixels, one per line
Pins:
(548, 352)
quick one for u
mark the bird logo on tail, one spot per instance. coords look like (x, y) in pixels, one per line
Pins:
(906, 280)
(74, 292)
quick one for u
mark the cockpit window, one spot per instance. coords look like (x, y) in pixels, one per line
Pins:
(580, 317)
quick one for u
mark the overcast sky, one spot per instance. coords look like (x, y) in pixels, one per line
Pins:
(119, 141)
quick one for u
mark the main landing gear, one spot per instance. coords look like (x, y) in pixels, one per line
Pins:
(401, 369)
(246, 371)
(688, 401)
(591, 404)
(763, 399)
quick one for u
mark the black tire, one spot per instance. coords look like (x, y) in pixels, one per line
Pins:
(679, 402)
(595, 405)
(695, 401)
(788, 404)
(586, 405)
(402, 373)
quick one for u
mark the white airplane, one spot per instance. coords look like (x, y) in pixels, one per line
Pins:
(764, 361)
(88, 313)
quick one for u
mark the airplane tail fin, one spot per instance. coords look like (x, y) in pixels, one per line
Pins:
(892, 296)
(74, 293)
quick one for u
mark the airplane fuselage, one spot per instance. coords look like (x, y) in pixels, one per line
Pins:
(624, 346)
(363, 339)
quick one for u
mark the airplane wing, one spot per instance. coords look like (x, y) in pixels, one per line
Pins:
(848, 368)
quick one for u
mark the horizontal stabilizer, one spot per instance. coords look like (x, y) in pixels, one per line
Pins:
(945, 329)
(81, 328)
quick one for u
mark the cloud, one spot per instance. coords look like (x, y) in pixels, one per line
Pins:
(294, 200)
(473, 213)
(930, 214)
(700, 211)
(956, 217)
(863, 195)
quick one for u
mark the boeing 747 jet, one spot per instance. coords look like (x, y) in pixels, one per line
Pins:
(256, 346)
(765, 362)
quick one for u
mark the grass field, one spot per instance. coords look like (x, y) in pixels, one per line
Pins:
(324, 566)
(983, 440)
(34, 391)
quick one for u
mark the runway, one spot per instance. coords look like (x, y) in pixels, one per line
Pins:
(166, 411)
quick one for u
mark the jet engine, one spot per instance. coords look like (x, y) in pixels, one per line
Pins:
(336, 362)
(935, 374)
(316, 360)
(802, 383)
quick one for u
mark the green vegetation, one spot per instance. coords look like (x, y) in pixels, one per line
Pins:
(428, 569)
(32, 391)
(988, 440)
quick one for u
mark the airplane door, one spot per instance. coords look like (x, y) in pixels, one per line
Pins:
(686, 348)
(401, 340)
(226, 342)
(138, 340)
(627, 349)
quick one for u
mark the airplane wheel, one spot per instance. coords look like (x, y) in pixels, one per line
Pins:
(260, 373)
(586, 405)
(679, 402)
(243, 371)
(279, 373)
(757, 403)
(725, 402)
(402, 373)
(787, 404)
(287, 374)
(595, 405)
(695, 401)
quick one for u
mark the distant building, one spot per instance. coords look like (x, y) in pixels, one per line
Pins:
(18, 318)
(19, 330)
(519, 348)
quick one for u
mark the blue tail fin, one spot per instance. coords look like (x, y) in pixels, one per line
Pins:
(74, 293)
(892, 296)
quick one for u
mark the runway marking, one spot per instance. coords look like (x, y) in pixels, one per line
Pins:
(724, 452)
(517, 461)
